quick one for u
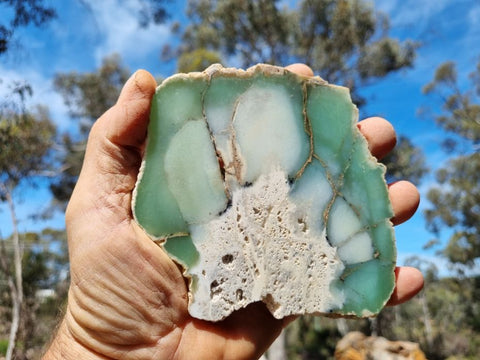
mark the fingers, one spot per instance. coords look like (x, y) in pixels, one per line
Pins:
(116, 138)
(405, 199)
(300, 69)
(126, 123)
(409, 281)
(381, 139)
(380, 135)
(113, 154)
(122, 127)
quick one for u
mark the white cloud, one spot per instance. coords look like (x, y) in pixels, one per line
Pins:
(43, 92)
(474, 16)
(120, 32)
(472, 37)
(409, 12)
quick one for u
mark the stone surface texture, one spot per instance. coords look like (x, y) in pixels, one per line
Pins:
(260, 185)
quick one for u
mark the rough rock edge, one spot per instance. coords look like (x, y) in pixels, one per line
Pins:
(265, 69)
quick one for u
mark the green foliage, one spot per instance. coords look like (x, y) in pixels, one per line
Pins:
(27, 138)
(455, 198)
(443, 319)
(45, 260)
(197, 59)
(45, 264)
(344, 41)
(3, 347)
(152, 11)
(455, 205)
(26, 141)
(311, 337)
(256, 31)
(461, 109)
(456, 201)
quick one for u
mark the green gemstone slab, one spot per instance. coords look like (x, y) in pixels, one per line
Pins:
(260, 185)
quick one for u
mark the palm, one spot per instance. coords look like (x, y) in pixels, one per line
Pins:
(144, 298)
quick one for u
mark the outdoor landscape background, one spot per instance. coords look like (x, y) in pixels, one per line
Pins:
(85, 33)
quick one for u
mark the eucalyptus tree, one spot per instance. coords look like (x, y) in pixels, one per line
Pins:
(454, 210)
(344, 41)
(26, 140)
(19, 14)
(455, 198)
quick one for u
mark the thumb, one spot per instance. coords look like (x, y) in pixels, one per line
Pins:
(113, 153)
(125, 124)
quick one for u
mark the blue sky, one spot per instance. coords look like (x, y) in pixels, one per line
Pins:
(80, 38)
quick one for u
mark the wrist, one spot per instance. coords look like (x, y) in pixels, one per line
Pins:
(64, 346)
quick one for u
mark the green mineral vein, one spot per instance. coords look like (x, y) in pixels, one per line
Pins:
(260, 185)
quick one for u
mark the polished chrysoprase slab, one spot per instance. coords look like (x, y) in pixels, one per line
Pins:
(260, 185)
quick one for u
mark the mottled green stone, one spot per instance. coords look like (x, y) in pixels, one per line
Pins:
(261, 186)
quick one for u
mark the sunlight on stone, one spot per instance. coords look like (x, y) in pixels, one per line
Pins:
(260, 185)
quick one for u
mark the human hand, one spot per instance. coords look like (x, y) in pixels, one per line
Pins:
(127, 298)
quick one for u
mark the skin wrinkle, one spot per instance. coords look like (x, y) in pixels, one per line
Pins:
(120, 184)
(85, 335)
(178, 347)
(116, 197)
(172, 297)
(115, 350)
(178, 332)
(129, 172)
(141, 92)
(88, 339)
(127, 114)
(78, 336)
(188, 333)
(111, 202)
(126, 300)
(164, 297)
(171, 274)
(95, 300)
(153, 338)
(99, 323)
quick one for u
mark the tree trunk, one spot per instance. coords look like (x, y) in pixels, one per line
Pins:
(374, 325)
(427, 321)
(342, 326)
(16, 305)
(16, 287)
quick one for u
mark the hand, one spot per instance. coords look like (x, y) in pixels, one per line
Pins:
(127, 298)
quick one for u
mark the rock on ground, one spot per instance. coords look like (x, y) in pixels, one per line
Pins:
(357, 346)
